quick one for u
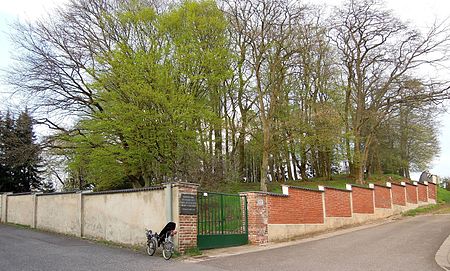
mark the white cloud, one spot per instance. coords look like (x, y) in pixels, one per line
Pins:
(28, 9)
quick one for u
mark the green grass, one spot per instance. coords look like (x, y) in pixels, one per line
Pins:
(443, 196)
(192, 251)
(337, 181)
(442, 206)
(422, 210)
(20, 226)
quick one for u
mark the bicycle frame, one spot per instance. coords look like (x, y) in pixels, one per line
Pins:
(164, 238)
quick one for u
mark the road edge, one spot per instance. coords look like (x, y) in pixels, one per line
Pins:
(232, 251)
(442, 255)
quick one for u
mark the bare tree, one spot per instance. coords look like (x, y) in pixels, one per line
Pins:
(266, 34)
(378, 53)
(57, 56)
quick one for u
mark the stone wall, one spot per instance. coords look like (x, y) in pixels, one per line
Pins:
(119, 216)
(299, 211)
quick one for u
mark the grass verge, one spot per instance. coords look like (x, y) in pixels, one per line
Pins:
(193, 251)
(442, 206)
(422, 210)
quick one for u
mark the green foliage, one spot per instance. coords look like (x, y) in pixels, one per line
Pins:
(408, 142)
(213, 94)
(154, 95)
(20, 162)
(422, 210)
(443, 196)
(443, 200)
(193, 251)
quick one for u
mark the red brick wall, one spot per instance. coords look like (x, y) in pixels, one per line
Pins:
(382, 197)
(431, 191)
(422, 192)
(362, 199)
(411, 193)
(398, 194)
(257, 217)
(187, 232)
(187, 228)
(337, 203)
(302, 206)
(305, 206)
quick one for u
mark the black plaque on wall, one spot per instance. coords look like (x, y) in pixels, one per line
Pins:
(188, 204)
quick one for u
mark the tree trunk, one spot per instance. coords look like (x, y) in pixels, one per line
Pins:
(265, 154)
(303, 162)
(289, 163)
(357, 162)
(295, 165)
(241, 145)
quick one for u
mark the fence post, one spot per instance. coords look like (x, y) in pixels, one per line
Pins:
(1, 207)
(81, 214)
(322, 189)
(168, 191)
(35, 209)
(4, 213)
(417, 191)
(349, 188)
(389, 184)
(405, 192)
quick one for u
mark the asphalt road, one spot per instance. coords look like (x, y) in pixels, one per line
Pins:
(24, 249)
(408, 244)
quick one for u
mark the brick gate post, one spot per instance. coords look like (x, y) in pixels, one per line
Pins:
(258, 217)
(184, 207)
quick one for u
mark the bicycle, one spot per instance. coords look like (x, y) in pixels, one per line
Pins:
(164, 238)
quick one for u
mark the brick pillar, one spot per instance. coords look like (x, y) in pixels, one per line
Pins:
(432, 191)
(186, 223)
(399, 194)
(257, 207)
(383, 197)
(422, 192)
(411, 193)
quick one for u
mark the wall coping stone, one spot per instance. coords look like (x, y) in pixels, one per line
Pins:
(304, 188)
(20, 194)
(413, 184)
(362, 186)
(422, 184)
(264, 193)
(125, 190)
(338, 189)
(402, 184)
(383, 186)
(57, 193)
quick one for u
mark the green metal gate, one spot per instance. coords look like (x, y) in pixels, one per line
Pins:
(222, 220)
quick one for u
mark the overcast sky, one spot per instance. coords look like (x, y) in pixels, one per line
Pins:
(421, 13)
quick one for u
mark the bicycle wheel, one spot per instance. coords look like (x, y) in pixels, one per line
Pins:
(151, 246)
(168, 249)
